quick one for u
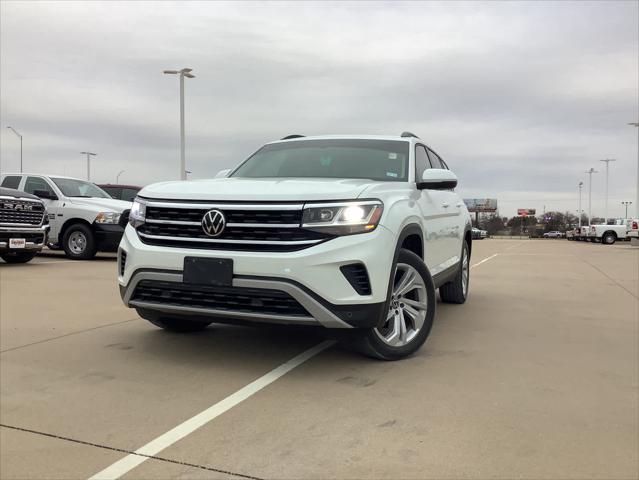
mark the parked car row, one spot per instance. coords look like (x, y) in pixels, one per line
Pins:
(622, 229)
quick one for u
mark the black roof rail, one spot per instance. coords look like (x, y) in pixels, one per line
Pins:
(288, 137)
(409, 134)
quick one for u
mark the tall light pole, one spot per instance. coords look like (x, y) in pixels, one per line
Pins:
(89, 155)
(14, 131)
(626, 205)
(636, 124)
(607, 160)
(590, 172)
(581, 184)
(185, 72)
(117, 177)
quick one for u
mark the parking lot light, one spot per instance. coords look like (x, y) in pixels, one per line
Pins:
(185, 72)
(607, 160)
(14, 131)
(590, 172)
(89, 155)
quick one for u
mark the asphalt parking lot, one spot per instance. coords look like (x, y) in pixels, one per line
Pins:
(536, 376)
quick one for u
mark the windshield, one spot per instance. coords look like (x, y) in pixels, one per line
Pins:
(79, 188)
(382, 160)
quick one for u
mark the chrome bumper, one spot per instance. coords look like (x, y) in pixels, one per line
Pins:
(43, 229)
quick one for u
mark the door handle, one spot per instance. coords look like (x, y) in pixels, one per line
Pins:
(445, 205)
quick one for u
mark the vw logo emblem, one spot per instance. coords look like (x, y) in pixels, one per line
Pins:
(213, 223)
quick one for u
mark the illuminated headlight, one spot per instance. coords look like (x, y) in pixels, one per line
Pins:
(107, 217)
(342, 218)
(137, 215)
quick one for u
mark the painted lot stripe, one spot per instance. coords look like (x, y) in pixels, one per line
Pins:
(484, 260)
(128, 463)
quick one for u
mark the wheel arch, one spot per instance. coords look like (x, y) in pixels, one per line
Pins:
(70, 222)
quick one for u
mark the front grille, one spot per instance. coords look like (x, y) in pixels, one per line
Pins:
(357, 276)
(34, 237)
(13, 211)
(254, 227)
(231, 299)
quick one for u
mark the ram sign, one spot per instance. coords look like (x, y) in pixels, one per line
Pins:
(481, 204)
(526, 212)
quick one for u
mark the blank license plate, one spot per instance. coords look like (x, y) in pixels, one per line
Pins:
(17, 243)
(208, 271)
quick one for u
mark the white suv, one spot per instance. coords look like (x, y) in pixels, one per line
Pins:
(344, 232)
(84, 218)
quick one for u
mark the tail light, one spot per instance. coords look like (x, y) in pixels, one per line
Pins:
(635, 226)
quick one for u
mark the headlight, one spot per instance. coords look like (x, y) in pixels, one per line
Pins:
(137, 215)
(107, 217)
(342, 218)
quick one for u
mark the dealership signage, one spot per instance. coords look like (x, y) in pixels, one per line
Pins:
(525, 212)
(481, 204)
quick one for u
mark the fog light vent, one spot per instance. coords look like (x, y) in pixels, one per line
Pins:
(357, 276)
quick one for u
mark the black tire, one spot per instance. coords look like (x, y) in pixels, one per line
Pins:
(18, 257)
(369, 341)
(609, 238)
(79, 242)
(456, 291)
(176, 325)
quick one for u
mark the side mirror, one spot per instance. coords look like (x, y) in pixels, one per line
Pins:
(437, 179)
(45, 194)
(223, 173)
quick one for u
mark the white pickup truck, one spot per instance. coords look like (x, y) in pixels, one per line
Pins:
(609, 234)
(84, 219)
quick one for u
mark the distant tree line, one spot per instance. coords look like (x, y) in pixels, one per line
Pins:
(550, 221)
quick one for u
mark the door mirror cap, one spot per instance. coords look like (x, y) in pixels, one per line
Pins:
(437, 179)
(223, 173)
(44, 194)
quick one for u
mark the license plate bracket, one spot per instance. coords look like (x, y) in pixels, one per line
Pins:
(208, 271)
(17, 243)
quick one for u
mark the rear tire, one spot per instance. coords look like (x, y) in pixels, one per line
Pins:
(176, 325)
(456, 291)
(78, 242)
(409, 312)
(18, 257)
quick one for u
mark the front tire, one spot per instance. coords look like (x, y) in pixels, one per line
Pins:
(18, 257)
(456, 291)
(609, 238)
(410, 311)
(176, 325)
(79, 242)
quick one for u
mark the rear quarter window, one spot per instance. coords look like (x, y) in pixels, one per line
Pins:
(11, 181)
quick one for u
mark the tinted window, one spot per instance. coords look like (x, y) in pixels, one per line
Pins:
(421, 162)
(36, 183)
(79, 188)
(128, 194)
(11, 181)
(115, 192)
(435, 160)
(382, 160)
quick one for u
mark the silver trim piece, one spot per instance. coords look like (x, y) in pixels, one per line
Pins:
(247, 225)
(224, 206)
(243, 242)
(25, 228)
(173, 222)
(345, 203)
(320, 314)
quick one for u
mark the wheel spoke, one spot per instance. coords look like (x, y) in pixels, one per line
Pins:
(406, 279)
(417, 316)
(415, 303)
(403, 328)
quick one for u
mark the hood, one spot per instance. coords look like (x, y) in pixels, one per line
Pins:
(102, 204)
(259, 189)
(11, 192)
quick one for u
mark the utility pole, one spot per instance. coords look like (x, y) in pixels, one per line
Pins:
(117, 177)
(607, 160)
(626, 205)
(581, 184)
(14, 131)
(89, 155)
(185, 72)
(636, 124)
(590, 172)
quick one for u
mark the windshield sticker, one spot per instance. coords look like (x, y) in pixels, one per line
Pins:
(391, 174)
(392, 156)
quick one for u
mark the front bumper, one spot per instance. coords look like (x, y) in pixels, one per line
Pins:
(311, 276)
(108, 236)
(36, 237)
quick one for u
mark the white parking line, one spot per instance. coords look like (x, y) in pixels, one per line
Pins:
(128, 463)
(484, 260)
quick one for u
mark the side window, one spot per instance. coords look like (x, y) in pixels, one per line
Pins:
(11, 181)
(421, 162)
(436, 160)
(115, 192)
(128, 194)
(36, 183)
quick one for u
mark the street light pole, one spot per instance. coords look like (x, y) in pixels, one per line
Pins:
(590, 172)
(185, 72)
(626, 205)
(89, 155)
(14, 131)
(117, 177)
(581, 184)
(607, 160)
(636, 124)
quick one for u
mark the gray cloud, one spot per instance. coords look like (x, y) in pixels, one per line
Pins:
(520, 98)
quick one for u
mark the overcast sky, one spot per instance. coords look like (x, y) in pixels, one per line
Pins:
(519, 98)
